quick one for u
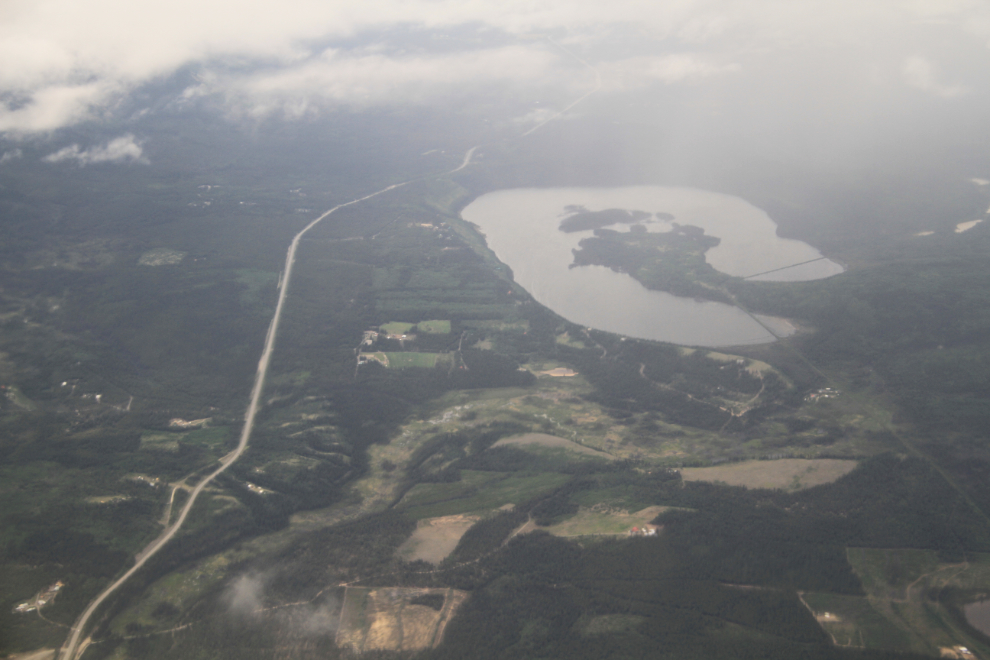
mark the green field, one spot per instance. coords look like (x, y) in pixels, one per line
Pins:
(405, 360)
(909, 601)
(852, 621)
(396, 327)
(437, 327)
(477, 491)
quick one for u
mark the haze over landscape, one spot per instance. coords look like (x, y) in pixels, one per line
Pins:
(447, 329)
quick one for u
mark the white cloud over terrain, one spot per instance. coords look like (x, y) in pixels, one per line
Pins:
(121, 149)
(68, 61)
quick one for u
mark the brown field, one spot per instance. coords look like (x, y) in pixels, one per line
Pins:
(786, 473)
(384, 619)
(435, 538)
(551, 441)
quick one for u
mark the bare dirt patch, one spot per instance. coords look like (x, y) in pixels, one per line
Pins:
(551, 441)
(390, 619)
(435, 538)
(786, 473)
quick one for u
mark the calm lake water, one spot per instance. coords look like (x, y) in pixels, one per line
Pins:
(978, 615)
(522, 227)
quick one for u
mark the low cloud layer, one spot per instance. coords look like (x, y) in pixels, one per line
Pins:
(71, 61)
(122, 149)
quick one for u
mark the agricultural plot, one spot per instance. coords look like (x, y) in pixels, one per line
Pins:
(910, 604)
(786, 473)
(543, 440)
(396, 327)
(435, 538)
(396, 618)
(602, 521)
(853, 621)
(498, 326)
(477, 492)
(434, 327)
(161, 441)
(406, 360)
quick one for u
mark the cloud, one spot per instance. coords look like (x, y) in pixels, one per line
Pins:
(8, 156)
(667, 69)
(124, 148)
(75, 60)
(244, 596)
(335, 77)
(921, 74)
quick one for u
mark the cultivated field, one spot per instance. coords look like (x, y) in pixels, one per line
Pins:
(396, 618)
(435, 538)
(434, 327)
(786, 473)
(907, 606)
(604, 522)
(396, 328)
(406, 360)
(477, 492)
(551, 442)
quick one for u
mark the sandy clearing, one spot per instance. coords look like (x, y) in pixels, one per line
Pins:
(786, 473)
(435, 538)
(552, 441)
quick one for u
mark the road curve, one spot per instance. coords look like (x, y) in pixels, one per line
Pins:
(71, 647)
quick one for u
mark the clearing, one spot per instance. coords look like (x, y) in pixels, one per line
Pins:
(435, 538)
(434, 327)
(405, 360)
(551, 441)
(785, 473)
(396, 328)
(909, 602)
(396, 618)
(601, 521)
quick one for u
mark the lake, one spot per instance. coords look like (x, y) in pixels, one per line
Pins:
(522, 227)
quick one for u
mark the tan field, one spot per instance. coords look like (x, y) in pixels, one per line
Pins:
(786, 473)
(551, 441)
(435, 538)
(386, 619)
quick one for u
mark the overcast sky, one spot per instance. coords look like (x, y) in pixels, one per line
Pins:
(847, 68)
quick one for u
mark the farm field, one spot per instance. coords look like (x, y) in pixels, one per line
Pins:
(477, 492)
(436, 327)
(785, 473)
(543, 440)
(435, 538)
(396, 327)
(910, 604)
(604, 522)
